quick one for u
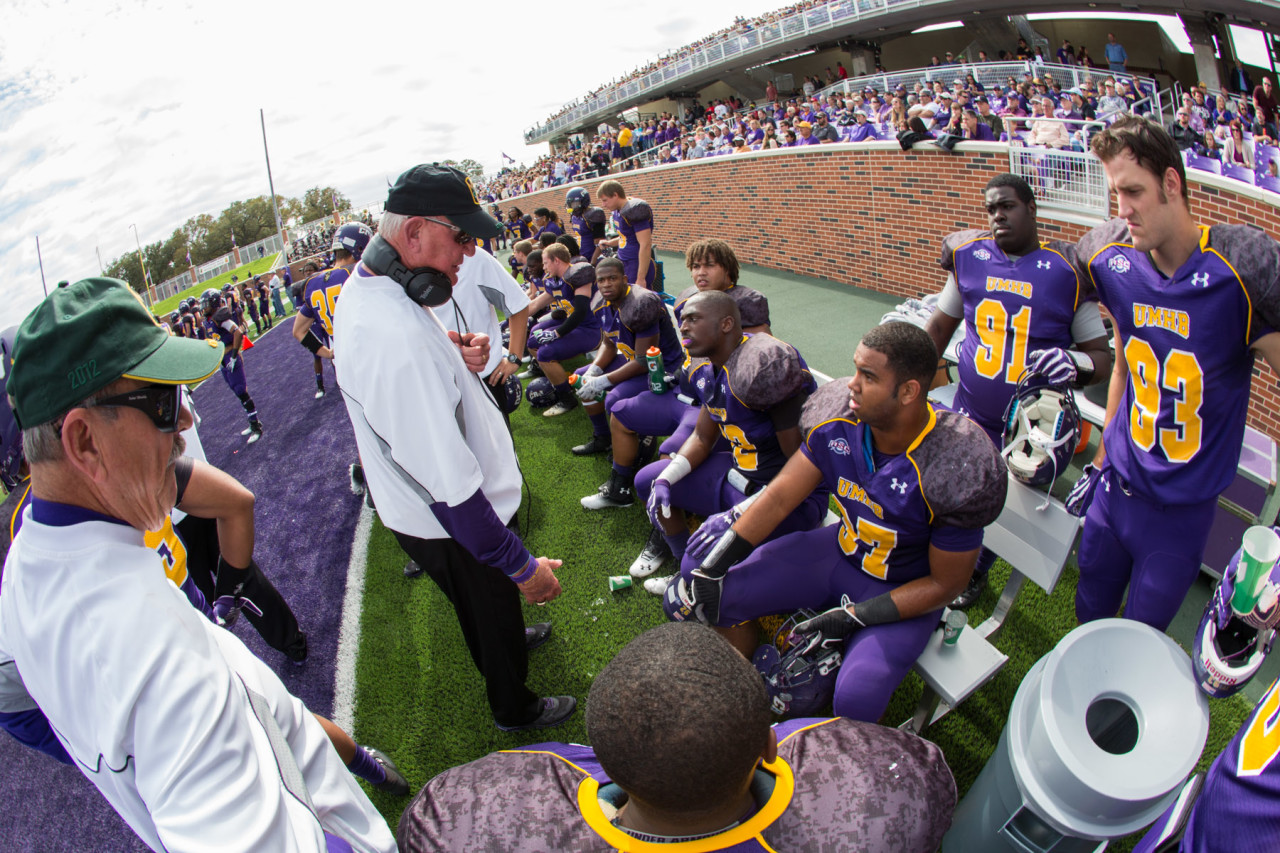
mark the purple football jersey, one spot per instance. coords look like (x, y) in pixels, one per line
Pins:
(837, 784)
(320, 300)
(561, 293)
(760, 374)
(1011, 308)
(641, 314)
(588, 227)
(636, 215)
(753, 305)
(1177, 434)
(1237, 806)
(948, 485)
(223, 326)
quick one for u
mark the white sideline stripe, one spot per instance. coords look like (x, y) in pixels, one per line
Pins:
(822, 378)
(344, 677)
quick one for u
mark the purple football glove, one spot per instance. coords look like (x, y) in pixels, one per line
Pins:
(659, 501)
(227, 609)
(1081, 494)
(545, 336)
(701, 542)
(1055, 364)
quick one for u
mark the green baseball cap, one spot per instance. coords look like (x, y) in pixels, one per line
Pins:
(85, 336)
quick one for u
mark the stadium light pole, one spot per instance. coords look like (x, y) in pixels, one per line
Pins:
(146, 282)
(101, 268)
(284, 249)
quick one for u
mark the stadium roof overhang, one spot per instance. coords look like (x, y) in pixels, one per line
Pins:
(872, 20)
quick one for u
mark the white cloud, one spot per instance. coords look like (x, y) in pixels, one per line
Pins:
(147, 113)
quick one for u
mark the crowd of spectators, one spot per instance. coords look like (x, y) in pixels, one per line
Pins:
(740, 26)
(1216, 131)
(1034, 110)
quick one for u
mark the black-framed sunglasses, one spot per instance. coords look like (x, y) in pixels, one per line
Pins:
(161, 403)
(462, 238)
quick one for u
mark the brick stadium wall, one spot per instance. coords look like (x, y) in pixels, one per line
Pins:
(871, 216)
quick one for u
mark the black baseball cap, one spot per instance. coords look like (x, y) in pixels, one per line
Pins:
(433, 189)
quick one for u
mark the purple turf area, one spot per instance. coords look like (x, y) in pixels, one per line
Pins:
(306, 516)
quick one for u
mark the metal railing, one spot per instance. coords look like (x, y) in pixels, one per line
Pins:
(728, 48)
(1063, 179)
(988, 74)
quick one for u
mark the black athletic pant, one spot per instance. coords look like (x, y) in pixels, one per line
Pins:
(488, 608)
(277, 625)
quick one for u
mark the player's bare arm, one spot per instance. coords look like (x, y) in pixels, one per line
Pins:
(949, 573)
(795, 482)
(215, 494)
(1115, 391)
(941, 326)
(645, 240)
(636, 366)
(697, 447)
(1268, 346)
(1099, 352)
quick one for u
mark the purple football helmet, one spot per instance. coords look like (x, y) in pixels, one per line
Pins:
(540, 393)
(1230, 648)
(10, 434)
(799, 682)
(353, 237)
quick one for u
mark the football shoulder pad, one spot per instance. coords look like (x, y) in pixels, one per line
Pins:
(954, 241)
(594, 216)
(642, 309)
(223, 315)
(752, 305)
(597, 303)
(1112, 231)
(1256, 259)
(580, 275)
(764, 371)
(637, 211)
(828, 402)
(963, 476)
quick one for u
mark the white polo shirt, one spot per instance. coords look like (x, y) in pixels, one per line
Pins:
(484, 288)
(192, 739)
(427, 428)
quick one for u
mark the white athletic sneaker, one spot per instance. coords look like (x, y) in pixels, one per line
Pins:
(255, 433)
(319, 393)
(559, 409)
(655, 553)
(658, 586)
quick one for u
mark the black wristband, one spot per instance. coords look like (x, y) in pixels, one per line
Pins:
(312, 343)
(730, 550)
(877, 611)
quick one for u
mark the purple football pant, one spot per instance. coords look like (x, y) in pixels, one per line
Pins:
(630, 268)
(624, 390)
(808, 569)
(648, 413)
(1153, 549)
(994, 431)
(705, 491)
(235, 377)
(582, 339)
(688, 423)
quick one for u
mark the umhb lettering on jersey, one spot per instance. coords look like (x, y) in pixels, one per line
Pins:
(1177, 434)
(1012, 306)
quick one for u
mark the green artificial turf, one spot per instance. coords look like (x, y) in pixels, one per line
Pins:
(258, 266)
(419, 698)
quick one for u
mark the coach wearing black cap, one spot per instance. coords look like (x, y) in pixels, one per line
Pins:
(437, 455)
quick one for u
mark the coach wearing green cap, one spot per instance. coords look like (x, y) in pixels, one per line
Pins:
(191, 738)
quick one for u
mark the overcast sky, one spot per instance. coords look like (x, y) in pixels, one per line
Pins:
(146, 113)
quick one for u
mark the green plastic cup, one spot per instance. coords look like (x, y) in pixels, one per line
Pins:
(1261, 549)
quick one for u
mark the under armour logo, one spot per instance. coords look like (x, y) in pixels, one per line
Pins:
(899, 486)
(1200, 279)
(1118, 263)
(1044, 265)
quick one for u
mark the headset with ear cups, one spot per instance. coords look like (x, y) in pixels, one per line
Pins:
(423, 285)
